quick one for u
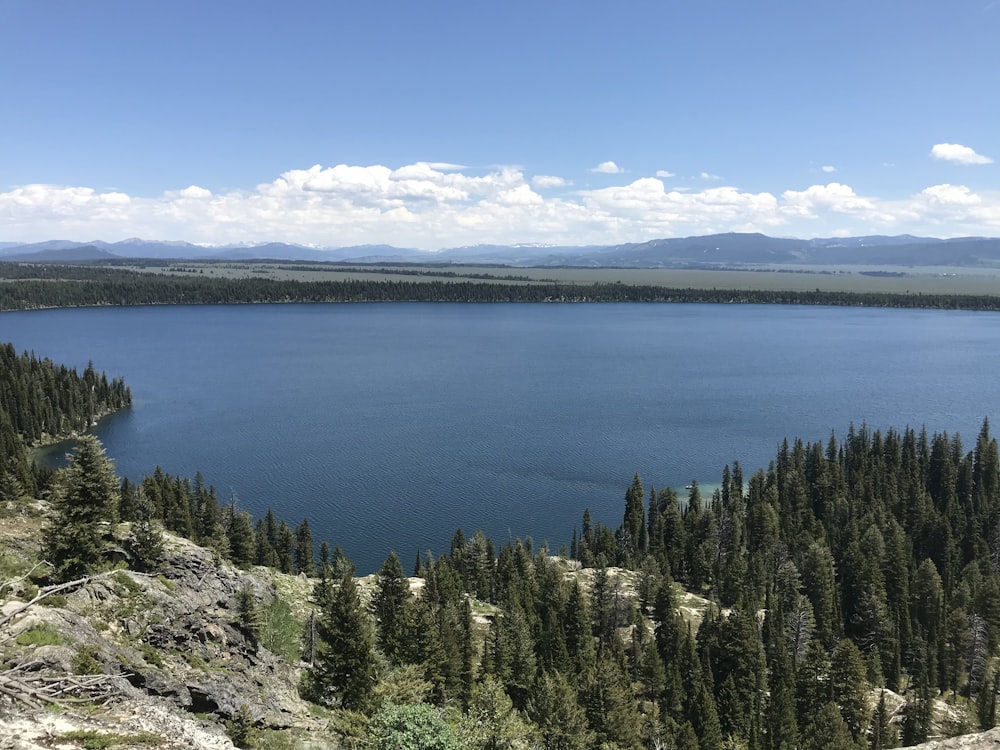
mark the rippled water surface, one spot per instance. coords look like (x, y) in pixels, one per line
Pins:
(391, 425)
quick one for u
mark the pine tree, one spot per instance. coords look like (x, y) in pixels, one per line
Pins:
(249, 618)
(561, 720)
(580, 646)
(986, 702)
(736, 659)
(83, 505)
(611, 709)
(146, 540)
(304, 549)
(827, 731)
(467, 651)
(881, 734)
(821, 588)
(239, 537)
(492, 722)
(685, 738)
(512, 655)
(782, 731)
(698, 705)
(632, 534)
(390, 608)
(340, 564)
(917, 714)
(668, 638)
(284, 547)
(850, 688)
(240, 728)
(422, 645)
(344, 672)
(263, 549)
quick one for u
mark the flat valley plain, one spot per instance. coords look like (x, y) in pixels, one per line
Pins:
(893, 279)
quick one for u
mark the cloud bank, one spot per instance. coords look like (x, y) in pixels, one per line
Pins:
(433, 205)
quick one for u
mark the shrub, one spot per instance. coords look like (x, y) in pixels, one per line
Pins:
(419, 727)
(85, 661)
(240, 727)
(281, 631)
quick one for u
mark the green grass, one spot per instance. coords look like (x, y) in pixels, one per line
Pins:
(40, 635)
(56, 601)
(921, 280)
(12, 567)
(195, 661)
(91, 740)
(150, 654)
(126, 586)
(282, 632)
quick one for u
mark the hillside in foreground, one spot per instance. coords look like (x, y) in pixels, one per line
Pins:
(845, 597)
(131, 660)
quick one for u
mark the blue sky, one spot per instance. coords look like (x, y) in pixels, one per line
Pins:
(434, 124)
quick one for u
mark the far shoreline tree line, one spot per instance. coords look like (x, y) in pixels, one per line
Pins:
(30, 286)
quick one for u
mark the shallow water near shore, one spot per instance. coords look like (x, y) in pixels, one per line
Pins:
(390, 425)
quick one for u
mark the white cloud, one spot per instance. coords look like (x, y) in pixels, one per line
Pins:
(959, 154)
(607, 167)
(709, 176)
(951, 195)
(522, 195)
(834, 196)
(423, 205)
(645, 209)
(444, 166)
(193, 191)
(828, 168)
(956, 210)
(663, 173)
(549, 181)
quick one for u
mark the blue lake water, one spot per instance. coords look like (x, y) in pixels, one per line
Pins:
(389, 426)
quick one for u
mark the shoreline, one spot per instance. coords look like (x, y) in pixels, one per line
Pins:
(50, 442)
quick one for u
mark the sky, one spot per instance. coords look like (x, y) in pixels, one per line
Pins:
(429, 124)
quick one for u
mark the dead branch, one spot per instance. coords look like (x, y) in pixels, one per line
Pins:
(34, 690)
(27, 575)
(48, 591)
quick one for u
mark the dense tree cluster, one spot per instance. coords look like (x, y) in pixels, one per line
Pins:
(874, 560)
(42, 401)
(844, 570)
(32, 286)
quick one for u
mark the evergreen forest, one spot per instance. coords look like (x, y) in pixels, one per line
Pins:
(852, 587)
(29, 286)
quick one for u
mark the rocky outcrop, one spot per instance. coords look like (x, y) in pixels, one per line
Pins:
(170, 640)
(983, 741)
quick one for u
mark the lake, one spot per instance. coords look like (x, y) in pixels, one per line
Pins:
(390, 425)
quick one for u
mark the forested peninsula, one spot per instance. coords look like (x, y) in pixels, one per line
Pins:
(27, 286)
(845, 596)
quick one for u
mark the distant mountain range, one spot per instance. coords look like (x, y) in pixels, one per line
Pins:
(709, 251)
